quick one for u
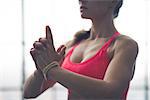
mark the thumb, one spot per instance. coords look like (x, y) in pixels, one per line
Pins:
(49, 36)
(59, 49)
(62, 52)
(48, 33)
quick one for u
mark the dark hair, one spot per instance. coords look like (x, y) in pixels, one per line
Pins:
(81, 35)
(117, 8)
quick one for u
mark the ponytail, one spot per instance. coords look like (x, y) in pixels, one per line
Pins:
(117, 8)
(79, 36)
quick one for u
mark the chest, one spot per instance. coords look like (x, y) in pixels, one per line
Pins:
(87, 50)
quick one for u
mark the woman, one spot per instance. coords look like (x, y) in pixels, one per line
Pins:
(96, 65)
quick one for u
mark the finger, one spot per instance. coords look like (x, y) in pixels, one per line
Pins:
(62, 52)
(36, 54)
(35, 44)
(44, 41)
(49, 37)
(59, 49)
(48, 33)
(33, 55)
(36, 58)
(38, 45)
(32, 52)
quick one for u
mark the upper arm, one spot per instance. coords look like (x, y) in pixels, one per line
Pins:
(121, 67)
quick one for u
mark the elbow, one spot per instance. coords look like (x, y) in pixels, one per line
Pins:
(115, 92)
(29, 95)
(112, 91)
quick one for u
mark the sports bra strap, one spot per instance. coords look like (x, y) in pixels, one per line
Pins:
(106, 45)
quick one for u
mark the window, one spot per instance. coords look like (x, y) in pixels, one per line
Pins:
(21, 25)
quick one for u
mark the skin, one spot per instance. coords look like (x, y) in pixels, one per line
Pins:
(118, 75)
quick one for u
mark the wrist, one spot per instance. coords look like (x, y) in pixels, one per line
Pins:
(38, 74)
(53, 72)
(49, 67)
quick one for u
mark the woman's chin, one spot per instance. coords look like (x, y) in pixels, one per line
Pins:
(84, 16)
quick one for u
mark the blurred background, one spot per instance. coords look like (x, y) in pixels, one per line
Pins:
(23, 21)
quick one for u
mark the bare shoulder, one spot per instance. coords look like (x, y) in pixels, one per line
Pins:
(124, 42)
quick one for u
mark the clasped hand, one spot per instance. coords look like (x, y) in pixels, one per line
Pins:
(43, 51)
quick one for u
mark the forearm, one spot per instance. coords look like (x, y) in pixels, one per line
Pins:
(35, 85)
(86, 86)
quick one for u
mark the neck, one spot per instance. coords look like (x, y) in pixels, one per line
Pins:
(102, 28)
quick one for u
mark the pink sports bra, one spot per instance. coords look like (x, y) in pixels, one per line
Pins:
(95, 66)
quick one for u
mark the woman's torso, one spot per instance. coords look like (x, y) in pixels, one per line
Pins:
(83, 53)
(87, 49)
